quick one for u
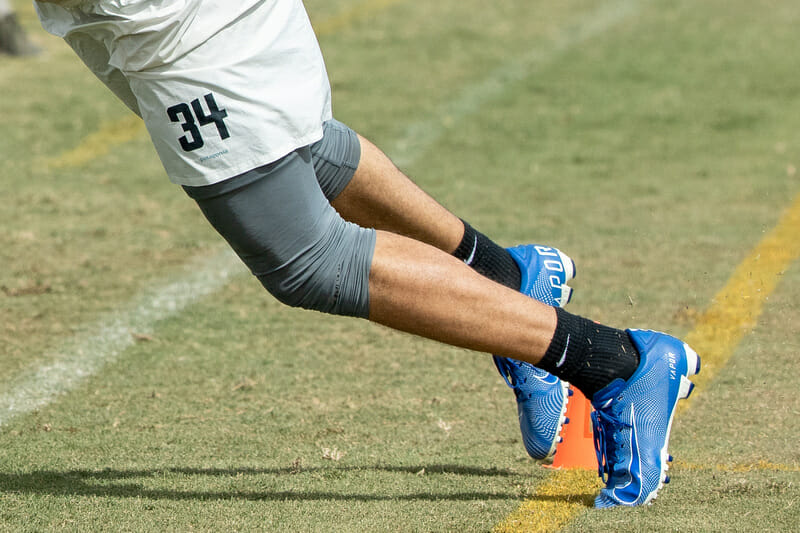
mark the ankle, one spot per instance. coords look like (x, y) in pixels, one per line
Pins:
(488, 258)
(589, 355)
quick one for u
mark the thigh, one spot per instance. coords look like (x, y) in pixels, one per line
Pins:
(280, 224)
(268, 214)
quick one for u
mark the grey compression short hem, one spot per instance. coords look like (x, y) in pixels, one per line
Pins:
(335, 157)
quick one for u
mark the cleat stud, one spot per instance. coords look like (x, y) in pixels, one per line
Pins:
(670, 459)
(570, 392)
(666, 479)
(566, 420)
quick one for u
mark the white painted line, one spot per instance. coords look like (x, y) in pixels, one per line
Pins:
(84, 354)
(421, 135)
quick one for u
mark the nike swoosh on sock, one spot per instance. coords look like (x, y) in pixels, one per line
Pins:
(563, 355)
(471, 257)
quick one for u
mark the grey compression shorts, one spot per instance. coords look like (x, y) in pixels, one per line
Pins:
(279, 220)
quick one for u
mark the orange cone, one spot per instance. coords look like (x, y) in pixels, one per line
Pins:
(576, 450)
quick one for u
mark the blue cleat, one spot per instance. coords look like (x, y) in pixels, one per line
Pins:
(545, 273)
(541, 396)
(632, 420)
(541, 404)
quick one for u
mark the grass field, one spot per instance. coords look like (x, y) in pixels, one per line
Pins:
(148, 384)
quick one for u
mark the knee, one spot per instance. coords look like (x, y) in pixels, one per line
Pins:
(330, 275)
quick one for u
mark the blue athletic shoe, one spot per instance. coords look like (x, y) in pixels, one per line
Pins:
(541, 397)
(633, 418)
(545, 273)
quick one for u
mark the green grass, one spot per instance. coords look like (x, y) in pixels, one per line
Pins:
(657, 153)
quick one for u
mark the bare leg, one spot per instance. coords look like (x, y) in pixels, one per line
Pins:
(380, 196)
(421, 290)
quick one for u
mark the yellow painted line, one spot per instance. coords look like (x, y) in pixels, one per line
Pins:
(733, 313)
(558, 500)
(100, 142)
(735, 310)
(121, 131)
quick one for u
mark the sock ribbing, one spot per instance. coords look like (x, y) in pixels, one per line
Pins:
(488, 258)
(589, 355)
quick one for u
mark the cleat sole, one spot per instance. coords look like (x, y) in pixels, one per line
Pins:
(561, 421)
(685, 390)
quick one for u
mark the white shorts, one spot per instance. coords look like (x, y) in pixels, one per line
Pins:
(223, 87)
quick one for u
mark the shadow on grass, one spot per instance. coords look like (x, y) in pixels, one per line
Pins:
(119, 483)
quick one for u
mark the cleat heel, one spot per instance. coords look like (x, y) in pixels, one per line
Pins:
(686, 388)
(566, 295)
(569, 266)
(692, 361)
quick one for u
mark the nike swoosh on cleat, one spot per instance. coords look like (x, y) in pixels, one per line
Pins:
(548, 379)
(563, 355)
(634, 484)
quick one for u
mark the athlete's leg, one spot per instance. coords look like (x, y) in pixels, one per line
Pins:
(367, 187)
(379, 195)
(307, 255)
(417, 288)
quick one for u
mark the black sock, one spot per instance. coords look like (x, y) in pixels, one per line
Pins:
(488, 258)
(589, 355)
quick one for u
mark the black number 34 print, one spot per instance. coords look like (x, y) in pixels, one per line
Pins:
(193, 116)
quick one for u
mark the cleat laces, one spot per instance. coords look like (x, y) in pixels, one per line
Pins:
(506, 368)
(606, 428)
